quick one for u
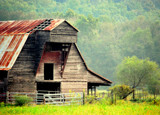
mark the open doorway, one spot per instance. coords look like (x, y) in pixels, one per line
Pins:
(46, 88)
(48, 71)
(3, 85)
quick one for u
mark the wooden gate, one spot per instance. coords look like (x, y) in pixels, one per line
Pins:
(64, 99)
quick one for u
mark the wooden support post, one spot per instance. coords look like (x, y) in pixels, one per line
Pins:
(91, 91)
(95, 91)
(88, 91)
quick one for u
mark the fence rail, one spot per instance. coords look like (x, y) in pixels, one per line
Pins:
(41, 93)
(2, 97)
(12, 95)
(44, 97)
(64, 98)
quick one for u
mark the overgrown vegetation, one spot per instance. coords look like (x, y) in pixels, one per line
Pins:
(121, 90)
(103, 107)
(21, 100)
(139, 73)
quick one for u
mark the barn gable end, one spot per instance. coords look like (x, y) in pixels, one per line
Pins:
(63, 33)
(76, 70)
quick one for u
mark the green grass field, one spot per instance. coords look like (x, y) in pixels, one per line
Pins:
(121, 108)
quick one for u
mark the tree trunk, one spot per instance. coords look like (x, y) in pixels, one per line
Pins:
(133, 93)
(128, 94)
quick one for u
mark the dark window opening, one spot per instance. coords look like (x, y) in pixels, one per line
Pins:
(57, 46)
(3, 82)
(41, 86)
(48, 71)
(3, 75)
(53, 46)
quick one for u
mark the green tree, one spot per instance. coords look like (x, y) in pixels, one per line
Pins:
(137, 43)
(136, 72)
(154, 85)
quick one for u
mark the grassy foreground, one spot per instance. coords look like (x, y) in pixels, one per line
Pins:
(123, 108)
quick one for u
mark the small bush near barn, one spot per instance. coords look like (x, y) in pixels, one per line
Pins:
(21, 100)
(121, 90)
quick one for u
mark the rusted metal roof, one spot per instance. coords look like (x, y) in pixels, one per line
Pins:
(10, 47)
(13, 35)
(18, 27)
(54, 23)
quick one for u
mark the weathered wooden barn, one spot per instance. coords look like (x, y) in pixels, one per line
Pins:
(42, 55)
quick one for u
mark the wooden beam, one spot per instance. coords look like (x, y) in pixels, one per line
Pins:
(91, 91)
(94, 90)
(88, 91)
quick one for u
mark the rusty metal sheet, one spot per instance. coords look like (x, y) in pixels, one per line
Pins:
(18, 27)
(13, 35)
(54, 23)
(10, 47)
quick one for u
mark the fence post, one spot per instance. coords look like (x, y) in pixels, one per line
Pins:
(44, 101)
(7, 99)
(115, 99)
(112, 97)
(36, 97)
(83, 98)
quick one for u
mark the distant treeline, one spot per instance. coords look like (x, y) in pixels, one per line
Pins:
(109, 29)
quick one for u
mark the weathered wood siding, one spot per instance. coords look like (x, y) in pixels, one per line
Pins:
(64, 33)
(21, 77)
(75, 69)
(75, 86)
(75, 73)
(41, 38)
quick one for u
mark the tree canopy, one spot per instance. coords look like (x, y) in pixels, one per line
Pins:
(137, 72)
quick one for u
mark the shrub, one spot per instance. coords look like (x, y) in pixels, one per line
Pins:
(156, 102)
(121, 90)
(21, 100)
(2, 104)
(90, 99)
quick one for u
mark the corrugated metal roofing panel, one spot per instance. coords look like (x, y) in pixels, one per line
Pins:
(18, 27)
(10, 49)
(13, 36)
(54, 23)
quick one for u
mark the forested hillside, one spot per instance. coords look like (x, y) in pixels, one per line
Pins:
(109, 29)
